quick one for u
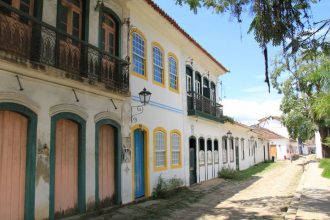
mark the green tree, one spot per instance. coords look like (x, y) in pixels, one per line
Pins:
(305, 84)
(277, 22)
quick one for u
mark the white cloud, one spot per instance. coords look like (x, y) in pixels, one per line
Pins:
(248, 112)
(257, 89)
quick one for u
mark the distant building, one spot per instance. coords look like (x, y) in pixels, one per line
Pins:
(281, 146)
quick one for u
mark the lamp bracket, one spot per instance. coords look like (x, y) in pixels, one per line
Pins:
(139, 110)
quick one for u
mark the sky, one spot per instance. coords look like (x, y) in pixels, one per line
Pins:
(245, 95)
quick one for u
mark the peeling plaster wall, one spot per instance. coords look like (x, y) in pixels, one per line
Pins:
(48, 95)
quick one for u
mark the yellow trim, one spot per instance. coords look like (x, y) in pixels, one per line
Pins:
(154, 148)
(177, 90)
(146, 159)
(156, 44)
(145, 76)
(175, 131)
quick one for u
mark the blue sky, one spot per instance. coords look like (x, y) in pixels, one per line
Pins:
(247, 98)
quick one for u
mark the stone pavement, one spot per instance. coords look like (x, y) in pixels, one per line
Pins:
(312, 199)
(264, 196)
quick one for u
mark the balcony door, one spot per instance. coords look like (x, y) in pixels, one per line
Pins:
(69, 20)
(16, 30)
(109, 43)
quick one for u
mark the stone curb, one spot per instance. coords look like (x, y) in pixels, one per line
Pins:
(293, 207)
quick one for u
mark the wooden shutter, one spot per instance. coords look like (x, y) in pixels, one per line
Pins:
(66, 167)
(106, 164)
(13, 142)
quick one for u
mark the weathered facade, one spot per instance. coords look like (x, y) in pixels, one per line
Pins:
(72, 139)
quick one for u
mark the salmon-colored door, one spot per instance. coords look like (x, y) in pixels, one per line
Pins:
(106, 165)
(13, 142)
(273, 151)
(66, 168)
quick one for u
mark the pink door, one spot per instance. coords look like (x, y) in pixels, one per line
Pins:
(106, 165)
(13, 141)
(66, 167)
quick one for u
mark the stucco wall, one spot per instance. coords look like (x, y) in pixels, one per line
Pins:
(48, 95)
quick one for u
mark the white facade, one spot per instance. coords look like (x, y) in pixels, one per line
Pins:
(50, 91)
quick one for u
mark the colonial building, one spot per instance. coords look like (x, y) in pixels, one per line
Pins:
(74, 135)
(64, 106)
(281, 145)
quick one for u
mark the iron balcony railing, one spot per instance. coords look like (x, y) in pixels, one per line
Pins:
(27, 37)
(203, 106)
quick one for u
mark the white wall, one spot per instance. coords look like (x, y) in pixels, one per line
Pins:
(275, 126)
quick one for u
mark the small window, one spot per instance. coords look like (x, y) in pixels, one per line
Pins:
(173, 73)
(175, 149)
(160, 149)
(231, 148)
(201, 152)
(158, 64)
(216, 152)
(209, 152)
(189, 74)
(139, 54)
(242, 149)
(189, 89)
(213, 93)
(224, 150)
(198, 80)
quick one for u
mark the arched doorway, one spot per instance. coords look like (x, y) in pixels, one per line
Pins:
(140, 162)
(192, 161)
(67, 165)
(18, 126)
(107, 163)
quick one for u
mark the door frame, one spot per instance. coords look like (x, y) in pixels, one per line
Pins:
(81, 160)
(118, 158)
(29, 203)
(146, 159)
(193, 137)
(237, 156)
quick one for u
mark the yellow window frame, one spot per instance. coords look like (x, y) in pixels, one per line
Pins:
(177, 90)
(145, 76)
(156, 44)
(156, 130)
(175, 166)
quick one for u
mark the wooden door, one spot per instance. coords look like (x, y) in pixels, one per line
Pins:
(13, 146)
(66, 168)
(106, 165)
(273, 151)
(192, 161)
(237, 156)
(139, 163)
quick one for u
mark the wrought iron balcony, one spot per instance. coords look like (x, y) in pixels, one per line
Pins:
(28, 38)
(204, 107)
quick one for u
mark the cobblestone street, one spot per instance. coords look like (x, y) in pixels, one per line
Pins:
(264, 196)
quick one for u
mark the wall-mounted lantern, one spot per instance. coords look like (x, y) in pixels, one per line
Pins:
(144, 97)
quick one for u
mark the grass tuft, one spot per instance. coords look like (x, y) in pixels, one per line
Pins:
(231, 174)
(325, 164)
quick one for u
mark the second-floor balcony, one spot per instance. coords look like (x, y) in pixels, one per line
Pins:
(202, 106)
(25, 37)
